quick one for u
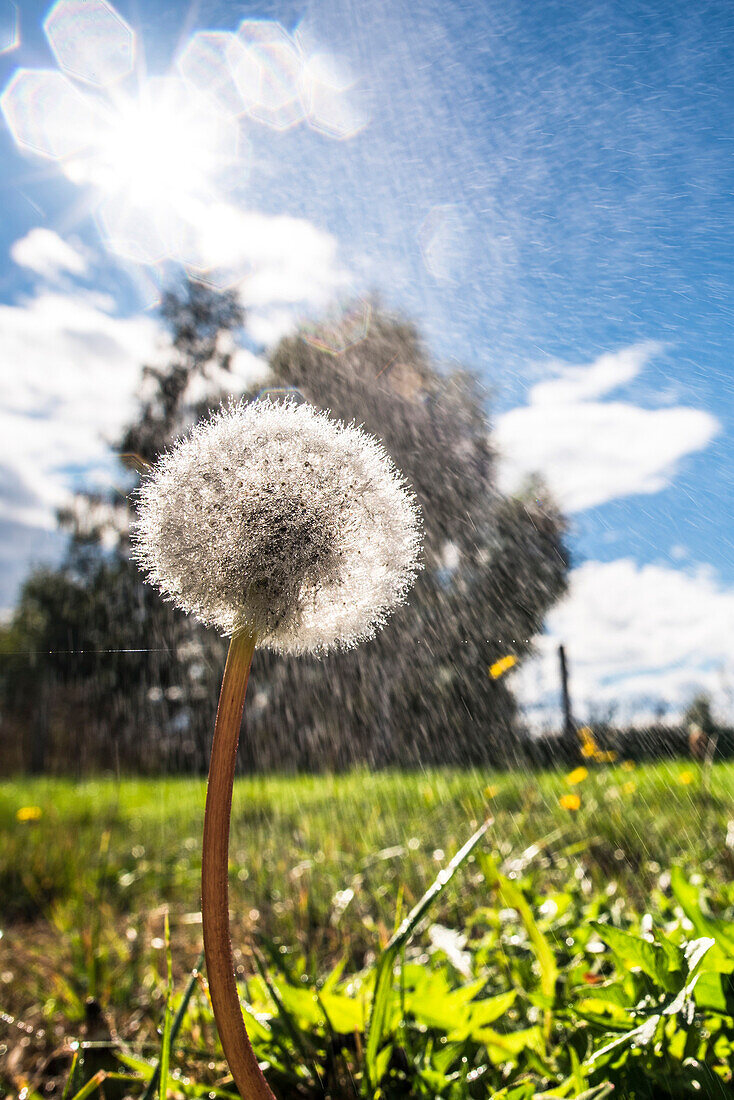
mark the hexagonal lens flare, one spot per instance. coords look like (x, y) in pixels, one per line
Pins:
(90, 41)
(9, 26)
(47, 114)
(442, 242)
(325, 92)
(131, 233)
(205, 64)
(343, 332)
(269, 74)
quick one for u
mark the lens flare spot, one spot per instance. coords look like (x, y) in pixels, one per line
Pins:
(9, 26)
(269, 73)
(206, 64)
(48, 115)
(91, 41)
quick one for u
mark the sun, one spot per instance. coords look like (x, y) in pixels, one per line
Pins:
(159, 153)
(166, 145)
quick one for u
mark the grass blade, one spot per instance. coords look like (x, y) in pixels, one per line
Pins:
(71, 1079)
(175, 1026)
(166, 1043)
(513, 896)
(382, 996)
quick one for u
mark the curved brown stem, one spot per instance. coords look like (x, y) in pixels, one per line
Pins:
(215, 878)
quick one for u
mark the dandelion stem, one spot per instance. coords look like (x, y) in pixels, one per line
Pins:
(215, 875)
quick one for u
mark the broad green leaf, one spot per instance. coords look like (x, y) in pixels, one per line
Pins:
(695, 953)
(482, 1013)
(638, 1037)
(636, 951)
(600, 1011)
(689, 899)
(439, 1007)
(715, 992)
(345, 1014)
(503, 1049)
(301, 1003)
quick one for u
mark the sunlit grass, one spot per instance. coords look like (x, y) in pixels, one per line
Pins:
(322, 867)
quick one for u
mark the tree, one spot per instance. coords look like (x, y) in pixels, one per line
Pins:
(420, 691)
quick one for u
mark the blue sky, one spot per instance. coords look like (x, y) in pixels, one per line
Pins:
(547, 188)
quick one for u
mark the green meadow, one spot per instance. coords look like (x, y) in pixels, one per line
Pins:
(582, 948)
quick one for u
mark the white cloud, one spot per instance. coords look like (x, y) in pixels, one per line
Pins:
(69, 369)
(47, 254)
(268, 326)
(635, 635)
(579, 383)
(275, 260)
(592, 451)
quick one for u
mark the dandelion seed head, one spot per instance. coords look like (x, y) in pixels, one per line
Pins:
(274, 518)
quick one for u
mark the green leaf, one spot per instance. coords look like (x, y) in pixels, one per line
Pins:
(482, 1013)
(640, 1036)
(696, 950)
(332, 981)
(345, 1014)
(598, 1010)
(636, 951)
(689, 899)
(433, 1003)
(715, 992)
(302, 1004)
(505, 1048)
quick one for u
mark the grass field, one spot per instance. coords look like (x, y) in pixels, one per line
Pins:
(572, 970)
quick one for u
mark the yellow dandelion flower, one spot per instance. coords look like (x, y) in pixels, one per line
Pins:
(570, 802)
(29, 813)
(491, 791)
(627, 765)
(578, 775)
(590, 749)
(686, 778)
(499, 668)
(629, 787)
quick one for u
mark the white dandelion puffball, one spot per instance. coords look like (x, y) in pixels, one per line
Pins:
(273, 518)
